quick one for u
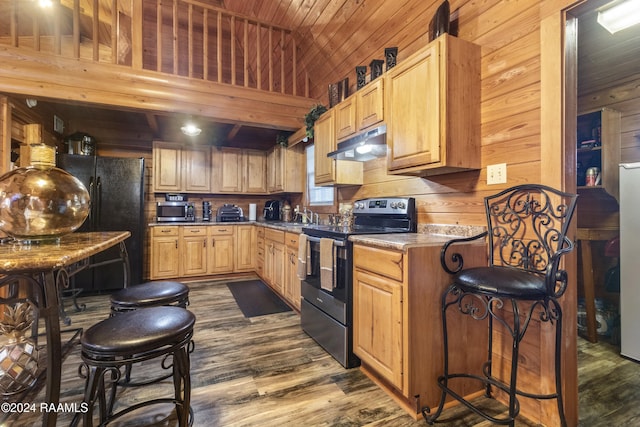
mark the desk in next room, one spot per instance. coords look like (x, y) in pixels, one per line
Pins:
(39, 271)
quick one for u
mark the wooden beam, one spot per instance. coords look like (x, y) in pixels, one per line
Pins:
(152, 121)
(85, 82)
(233, 132)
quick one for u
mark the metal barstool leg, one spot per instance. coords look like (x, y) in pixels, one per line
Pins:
(515, 353)
(558, 362)
(442, 380)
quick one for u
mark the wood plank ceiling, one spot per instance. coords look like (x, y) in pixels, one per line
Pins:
(333, 36)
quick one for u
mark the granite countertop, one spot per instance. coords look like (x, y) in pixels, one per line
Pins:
(291, 227)
(17, 257)
(427, 235)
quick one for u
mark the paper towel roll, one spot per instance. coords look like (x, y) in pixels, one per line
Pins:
(252, 211)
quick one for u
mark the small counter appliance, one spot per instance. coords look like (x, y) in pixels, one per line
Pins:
(229, 213)
(175, 211)
(206, 211)
(272, 210)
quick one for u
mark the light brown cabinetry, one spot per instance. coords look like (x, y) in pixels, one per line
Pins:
(291, 281)
(193, 250)
(238, 170)
(260, 249)
(220, 257)
(254, 165)
(328, 171)
(285, 169)
(397, 322)
(432, 109)
(246, 241)
(598, 136)
(178, 168)
(360, 111)
(165, 260)
(274, 257)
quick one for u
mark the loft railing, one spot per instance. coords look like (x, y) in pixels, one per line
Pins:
(181, 37)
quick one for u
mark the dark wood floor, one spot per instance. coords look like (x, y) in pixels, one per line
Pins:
(265, 371)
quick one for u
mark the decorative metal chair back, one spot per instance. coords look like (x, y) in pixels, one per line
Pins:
(527, 230)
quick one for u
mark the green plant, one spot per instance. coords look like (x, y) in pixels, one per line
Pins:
(282, 139)
(311, 117)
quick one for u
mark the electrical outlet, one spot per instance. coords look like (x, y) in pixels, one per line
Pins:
(497, 174)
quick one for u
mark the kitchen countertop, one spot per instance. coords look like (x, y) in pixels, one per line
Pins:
(428, 235)
(71, 248)
(291, 227)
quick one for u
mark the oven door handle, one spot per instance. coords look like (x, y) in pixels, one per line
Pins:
(339, 243)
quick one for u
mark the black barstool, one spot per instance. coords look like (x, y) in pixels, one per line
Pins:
(150, 294)
(131, 337)
(527, 227)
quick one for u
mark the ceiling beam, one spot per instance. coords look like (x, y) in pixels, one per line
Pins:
(233, 132)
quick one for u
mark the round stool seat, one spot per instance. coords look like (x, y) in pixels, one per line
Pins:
(138, 331)
(150, 294)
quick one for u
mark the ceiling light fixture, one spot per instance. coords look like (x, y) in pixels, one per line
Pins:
(45, 3)
(191, 129)
(619, 15)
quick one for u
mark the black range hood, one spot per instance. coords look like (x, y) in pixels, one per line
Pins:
(361, 148)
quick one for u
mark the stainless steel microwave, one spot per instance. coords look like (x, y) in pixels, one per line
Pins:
(175, 211)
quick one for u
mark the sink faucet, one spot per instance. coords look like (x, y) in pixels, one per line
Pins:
(307, 215)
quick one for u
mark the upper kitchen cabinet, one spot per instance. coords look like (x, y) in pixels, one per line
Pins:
(180, 168)
(330, 171)
(285, 169)
(598, 156)
(360, 111)
(227, 170)
(432, 110)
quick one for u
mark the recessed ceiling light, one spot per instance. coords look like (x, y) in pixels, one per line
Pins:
(45, 3)
(619, 15)
(191, 129)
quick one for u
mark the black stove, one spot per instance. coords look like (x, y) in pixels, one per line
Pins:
(327, 308)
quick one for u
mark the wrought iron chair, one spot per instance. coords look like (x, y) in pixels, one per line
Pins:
(526, 235)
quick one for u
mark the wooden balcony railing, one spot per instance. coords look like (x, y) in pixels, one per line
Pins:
(181, 37)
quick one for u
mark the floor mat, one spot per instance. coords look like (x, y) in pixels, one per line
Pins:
(256, 299)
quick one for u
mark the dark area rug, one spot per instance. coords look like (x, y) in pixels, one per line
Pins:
(255, 298)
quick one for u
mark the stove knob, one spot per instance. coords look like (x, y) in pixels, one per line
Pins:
(394, 205)
(360, 205)
(401, 205)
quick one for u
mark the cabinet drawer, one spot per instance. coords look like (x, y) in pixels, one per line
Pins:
(164, 231)
(221, 231)
(274, 235)
(291, 239)
(380, 261)
(194, 231)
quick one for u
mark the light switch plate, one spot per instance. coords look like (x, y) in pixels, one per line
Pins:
(497, 174)
(58, 125)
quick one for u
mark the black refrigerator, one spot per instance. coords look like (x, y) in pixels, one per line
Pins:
(116, 188)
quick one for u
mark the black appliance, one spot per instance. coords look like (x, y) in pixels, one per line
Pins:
(327, 315)
(175, 211)
(206, 211)
(116, 188)
(229, 213)
(272, 210)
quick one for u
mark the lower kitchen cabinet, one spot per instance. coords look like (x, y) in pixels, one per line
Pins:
(220, 258)
(274, 259)
(398, 327)
(193, 250)
(165, 259)
(245, 254)
(292, 291)
(378, 319)
(260, 251)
